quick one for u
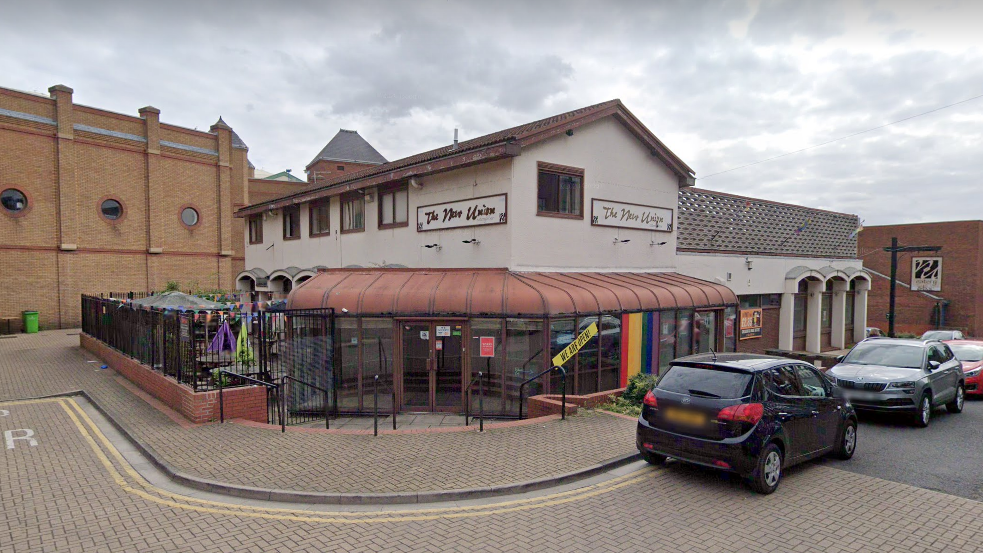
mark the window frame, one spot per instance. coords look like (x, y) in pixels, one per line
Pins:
(28, 202)
(393, 190)
(258, 218)
(122, 210)
(563, 171)
(311, 208)
(346, 198)
(291, 209)
(180, 216)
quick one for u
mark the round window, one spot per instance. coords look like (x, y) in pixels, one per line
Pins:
(13, 200)
(189, 216)
(112, 209)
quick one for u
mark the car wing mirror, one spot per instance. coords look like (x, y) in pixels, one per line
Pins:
(932, 365)
(839, 358)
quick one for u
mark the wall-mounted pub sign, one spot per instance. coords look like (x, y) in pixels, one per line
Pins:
(475, 212)
(926, 274)
(605, 213)
(750, 323)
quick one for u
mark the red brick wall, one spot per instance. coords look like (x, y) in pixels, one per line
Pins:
(962, 277)
(769, 333)
(327, 170)
(62, 247)
(549, 404)
(240, 403)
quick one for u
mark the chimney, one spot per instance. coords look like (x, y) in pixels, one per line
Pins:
(455, 140)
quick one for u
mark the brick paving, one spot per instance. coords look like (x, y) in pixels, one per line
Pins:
(51, 362)
(71, 494)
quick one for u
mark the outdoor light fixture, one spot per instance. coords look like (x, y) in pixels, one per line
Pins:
(616, 241)
(569, 132)
(654, 243)
(428, 246)
(474, 241)
(748, 262)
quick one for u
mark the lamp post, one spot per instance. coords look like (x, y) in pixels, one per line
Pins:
(894, 249)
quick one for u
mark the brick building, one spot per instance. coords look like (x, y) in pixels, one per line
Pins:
(958, 300)
(344, 154)
(94, 201)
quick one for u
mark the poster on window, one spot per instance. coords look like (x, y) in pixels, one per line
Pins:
(750, 323)
(926, 274)
(487, 210)
(605, 213)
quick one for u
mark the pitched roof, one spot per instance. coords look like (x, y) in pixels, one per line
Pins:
(236, 141)
(349, 146)
(496, 145)
(710, 221)
(283, 176)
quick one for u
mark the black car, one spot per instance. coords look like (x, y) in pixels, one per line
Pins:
(753, 415)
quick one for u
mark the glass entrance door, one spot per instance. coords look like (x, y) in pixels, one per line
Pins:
(432, 366)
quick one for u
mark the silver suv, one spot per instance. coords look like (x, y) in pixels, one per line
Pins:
(886, 374)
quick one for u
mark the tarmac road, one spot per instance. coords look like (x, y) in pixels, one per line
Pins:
(947, 456)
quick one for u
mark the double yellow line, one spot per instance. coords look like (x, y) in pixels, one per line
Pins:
(133, 483)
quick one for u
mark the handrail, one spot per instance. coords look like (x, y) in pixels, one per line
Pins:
(563, 390)
(481, 403)
(375, 416)
(283, 401)
(221, 396)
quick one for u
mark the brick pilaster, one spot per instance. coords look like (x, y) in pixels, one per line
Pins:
(155, 193)
(225, 208)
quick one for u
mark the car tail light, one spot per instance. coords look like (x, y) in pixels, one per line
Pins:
(721, 464)
(650, 399)
(744, 412)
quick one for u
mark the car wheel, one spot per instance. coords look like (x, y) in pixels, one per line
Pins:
(956, 405)
(768, 472)
(924, 414)
(848, 441)
(653, 458)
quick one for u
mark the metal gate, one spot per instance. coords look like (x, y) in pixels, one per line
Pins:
(297, 353)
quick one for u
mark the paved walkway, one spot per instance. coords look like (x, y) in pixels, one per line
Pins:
(71, 490)
(52, 362)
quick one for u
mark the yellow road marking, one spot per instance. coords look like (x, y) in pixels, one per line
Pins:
(77, 415)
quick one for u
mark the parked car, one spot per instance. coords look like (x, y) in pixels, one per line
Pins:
(753, 415)
(943, 335)
(872, 332)
(970, 354)
(911, 376)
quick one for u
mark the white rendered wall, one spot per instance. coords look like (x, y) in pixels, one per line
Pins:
(767, 273)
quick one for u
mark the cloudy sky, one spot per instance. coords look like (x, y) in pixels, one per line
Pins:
(724, 83)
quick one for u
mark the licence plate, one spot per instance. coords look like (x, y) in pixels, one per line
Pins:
(869, 396)
(682, 416)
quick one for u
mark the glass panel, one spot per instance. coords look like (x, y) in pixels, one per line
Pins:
(587, 359)
(490, 366)
(353, 214)
(684, 334)
(730, 336)
(611, 352)
(449, 356)
(401, 206)
(667, 339)
(189, 216)
(750, 302)
(387, 209)
(826, 320)
(526, 357)
(706, 331)
(569, 200)
(848, 308)
(319, 218)
(347, 330)
(549, 185)
(377, 359)
(112, 209)
(13, 200)
(561, 334)
(799, 313)
(712, 381)
(416, 365)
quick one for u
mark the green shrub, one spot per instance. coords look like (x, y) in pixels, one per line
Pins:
(172, 286)
(638, 386)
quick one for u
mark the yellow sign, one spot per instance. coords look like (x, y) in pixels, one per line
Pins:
(575, 346)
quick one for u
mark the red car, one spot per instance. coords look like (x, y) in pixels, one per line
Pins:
(970, 354)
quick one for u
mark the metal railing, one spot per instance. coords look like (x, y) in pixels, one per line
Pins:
(481, 402)
(375, 408)
(283, 400)
(563, 389)
(221, 387)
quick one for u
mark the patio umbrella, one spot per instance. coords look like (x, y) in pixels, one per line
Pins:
(244, 353)
(178, 299)
(222, 340)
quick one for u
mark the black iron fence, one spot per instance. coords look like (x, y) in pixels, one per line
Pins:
(206, 348)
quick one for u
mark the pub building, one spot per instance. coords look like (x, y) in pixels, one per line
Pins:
(492, 255)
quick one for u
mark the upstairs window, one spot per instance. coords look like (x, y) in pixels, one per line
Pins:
(319, 218)
(291, 222)
(561, 191)
(256, 229)
(353, 212)
(393, 207)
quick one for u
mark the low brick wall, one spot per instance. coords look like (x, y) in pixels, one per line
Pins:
(240, 403)
(549, 404)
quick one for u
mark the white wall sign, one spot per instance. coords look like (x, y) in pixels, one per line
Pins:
(926, 274)
(605, 213)
(443, 330)
(487, 210)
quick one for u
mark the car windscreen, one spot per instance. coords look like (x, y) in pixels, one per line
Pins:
(937, 335)
(705, 382)
(967, 352)
(889, 355)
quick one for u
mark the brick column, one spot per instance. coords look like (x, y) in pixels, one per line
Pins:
(814, 307)
(154, 188)
(225, 207)
(68, 192)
